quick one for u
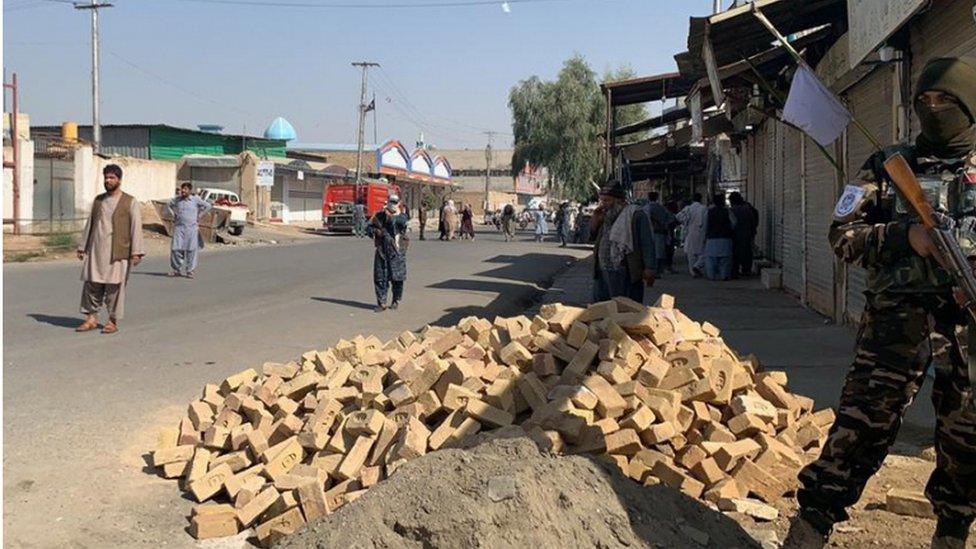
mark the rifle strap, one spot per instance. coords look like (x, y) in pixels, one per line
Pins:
(971, 360)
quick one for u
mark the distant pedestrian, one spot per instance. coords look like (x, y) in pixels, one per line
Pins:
(467, 222)
(692, 218)
(451, 222)
(422, 218)
(541, 225)
(388, 228)
(662, 222)
(359, 218)
(508, 222)
(746, 226)
(110, 245)
(624, 251)
(719, 232)
(186, 209)
(441, 226)
(564, 223)
(581, 225)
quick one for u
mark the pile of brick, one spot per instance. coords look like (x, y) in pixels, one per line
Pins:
(660, 395)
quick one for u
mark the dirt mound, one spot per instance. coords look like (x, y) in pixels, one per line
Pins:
(499, 490)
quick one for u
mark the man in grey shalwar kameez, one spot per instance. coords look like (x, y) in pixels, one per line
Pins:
(186, 209)
(110, 244)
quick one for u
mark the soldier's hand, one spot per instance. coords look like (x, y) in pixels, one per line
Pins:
(136, 260)
(921, 241)
(81, 256)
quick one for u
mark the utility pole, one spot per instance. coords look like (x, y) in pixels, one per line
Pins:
(96, 100)
(490, 135)
(364, 65)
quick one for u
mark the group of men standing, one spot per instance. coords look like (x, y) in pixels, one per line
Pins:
(718, 240)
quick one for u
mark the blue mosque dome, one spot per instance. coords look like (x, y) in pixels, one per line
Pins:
(280, 129)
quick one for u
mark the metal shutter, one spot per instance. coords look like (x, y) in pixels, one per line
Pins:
(820, 197)
(871, 101)
(945, 29)
(793, 212)
(778, 183)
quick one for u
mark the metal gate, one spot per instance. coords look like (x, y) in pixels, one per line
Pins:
(871, 102)
(820, 195)
(54, 196)
(793, 235)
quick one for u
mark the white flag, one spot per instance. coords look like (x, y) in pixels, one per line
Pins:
(815, 109)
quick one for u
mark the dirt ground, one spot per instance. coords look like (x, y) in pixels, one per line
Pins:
(448, 499)
(870, 524)
(504, 492)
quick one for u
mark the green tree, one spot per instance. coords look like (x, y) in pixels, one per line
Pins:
(559, 124)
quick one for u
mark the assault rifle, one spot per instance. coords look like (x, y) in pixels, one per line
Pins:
(942, 230)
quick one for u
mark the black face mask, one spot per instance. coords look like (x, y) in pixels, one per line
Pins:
(947, 131)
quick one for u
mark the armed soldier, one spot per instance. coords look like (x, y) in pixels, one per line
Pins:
(910, 317)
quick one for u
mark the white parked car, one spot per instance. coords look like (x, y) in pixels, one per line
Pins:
(227, 200)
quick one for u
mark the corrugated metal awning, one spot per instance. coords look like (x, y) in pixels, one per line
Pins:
(736, 33)
(647, 88)
(656, 146)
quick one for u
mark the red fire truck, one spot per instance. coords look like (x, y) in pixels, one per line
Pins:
(339, 200)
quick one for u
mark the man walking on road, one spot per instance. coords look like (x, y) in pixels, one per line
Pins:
(746, 225)
(186, 209)
(110, 244)
(661, 222)
(911, 316)
(359, 218)
(422, 218)
(719, 232)
(692, 218)
(389, 231)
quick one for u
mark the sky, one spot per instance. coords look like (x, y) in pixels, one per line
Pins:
(445, 71)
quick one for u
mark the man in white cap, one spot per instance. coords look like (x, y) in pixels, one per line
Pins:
(388, 229)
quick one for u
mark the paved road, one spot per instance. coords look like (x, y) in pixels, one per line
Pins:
(80, 410)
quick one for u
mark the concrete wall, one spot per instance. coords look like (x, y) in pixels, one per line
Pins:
(144, 179)
(502, 183)
(496, 200)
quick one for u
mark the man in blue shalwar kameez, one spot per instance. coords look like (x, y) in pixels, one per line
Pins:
(186, 209)
(388, 229)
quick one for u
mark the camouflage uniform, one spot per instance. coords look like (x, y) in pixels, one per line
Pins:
(910, 318)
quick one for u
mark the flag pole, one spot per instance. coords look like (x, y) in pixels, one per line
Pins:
(779, 97)
(796, 55)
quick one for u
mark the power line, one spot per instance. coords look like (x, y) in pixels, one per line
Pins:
(479, 129)
(421, 123)
(362, 6)
(178, 87)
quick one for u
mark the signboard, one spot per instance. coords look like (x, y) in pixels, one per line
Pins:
(265, 173)
(871, 22)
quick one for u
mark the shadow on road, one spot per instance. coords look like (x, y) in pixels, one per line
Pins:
(143, 273)
(59, 321)
(346, 302)
(529, 273)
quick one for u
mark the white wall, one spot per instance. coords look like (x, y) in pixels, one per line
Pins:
(144, 179)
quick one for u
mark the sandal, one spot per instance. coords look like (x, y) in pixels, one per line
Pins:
(89, 324)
